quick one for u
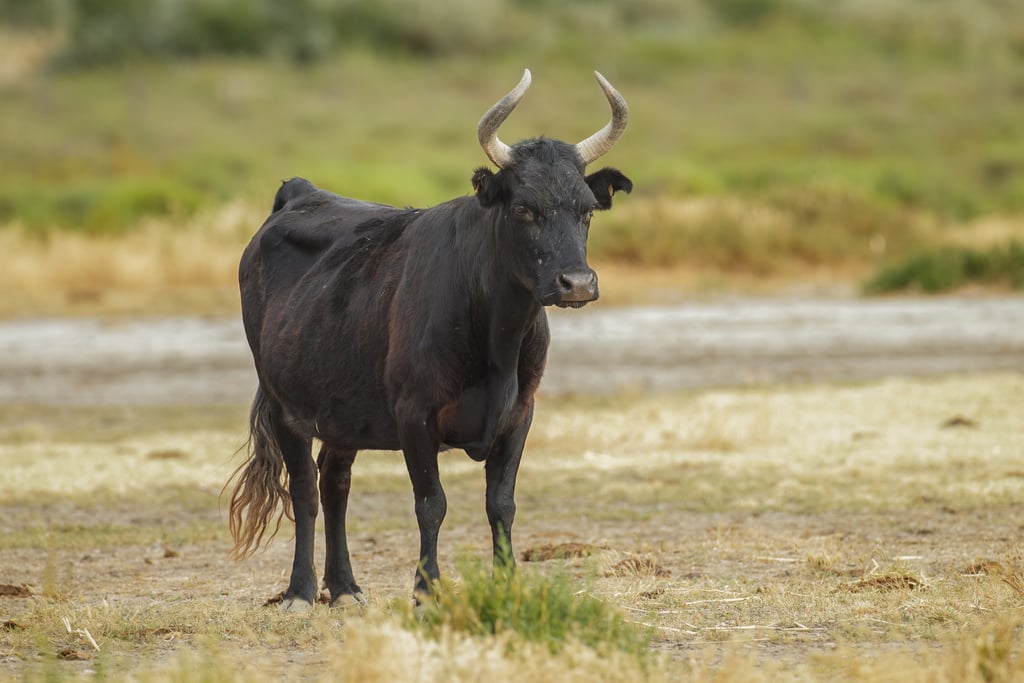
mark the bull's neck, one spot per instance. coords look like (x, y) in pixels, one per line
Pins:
(501, 301)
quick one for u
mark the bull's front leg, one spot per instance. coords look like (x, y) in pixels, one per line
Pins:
(502, 467)
(420, 442)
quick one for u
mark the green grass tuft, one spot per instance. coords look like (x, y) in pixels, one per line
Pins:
(549, 610)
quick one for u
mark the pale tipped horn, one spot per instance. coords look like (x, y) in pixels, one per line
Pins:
(600, 142)
(487, 130)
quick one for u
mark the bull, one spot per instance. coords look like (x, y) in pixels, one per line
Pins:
(420, 330)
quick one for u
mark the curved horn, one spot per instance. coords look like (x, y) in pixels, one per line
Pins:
(600, 142)
(487, 130)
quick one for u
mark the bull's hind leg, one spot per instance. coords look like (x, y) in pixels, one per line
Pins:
(335, 482)
(298, 460)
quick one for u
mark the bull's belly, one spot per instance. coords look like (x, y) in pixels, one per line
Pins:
(359, 420)
(347, 431)
(345, 422)
(344, 433)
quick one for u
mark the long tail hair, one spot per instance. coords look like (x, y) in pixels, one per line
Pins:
(260, 485)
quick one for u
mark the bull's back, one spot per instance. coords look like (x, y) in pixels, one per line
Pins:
(305, 226)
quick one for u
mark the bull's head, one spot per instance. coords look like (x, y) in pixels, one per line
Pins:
(546, 200)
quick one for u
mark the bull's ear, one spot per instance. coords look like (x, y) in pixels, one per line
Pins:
(607, 182)
(487, 186)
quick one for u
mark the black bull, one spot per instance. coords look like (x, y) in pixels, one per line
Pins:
(374, 327)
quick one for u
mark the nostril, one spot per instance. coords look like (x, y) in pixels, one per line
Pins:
(577, 285)
(565, 283)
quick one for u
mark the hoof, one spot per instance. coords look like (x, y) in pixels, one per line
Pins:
(422, 603)
(295, 605)
(347, 601)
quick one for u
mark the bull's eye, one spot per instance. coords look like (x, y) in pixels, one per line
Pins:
(522, 213)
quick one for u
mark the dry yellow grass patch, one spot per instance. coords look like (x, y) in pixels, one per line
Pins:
(988, 231)
(23, 54)
(191, 266)
(174, 266)
(201, 458)
(161, 267)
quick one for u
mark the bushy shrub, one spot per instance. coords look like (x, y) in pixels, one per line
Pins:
(112, 31)
(108, 31)
(745, 12)
(422, 28)
(34, 14)
(104, 31)
(948, 268)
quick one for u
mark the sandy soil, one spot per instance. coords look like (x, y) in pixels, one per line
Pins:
(722, 342)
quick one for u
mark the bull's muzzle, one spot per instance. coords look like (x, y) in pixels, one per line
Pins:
(576, 287)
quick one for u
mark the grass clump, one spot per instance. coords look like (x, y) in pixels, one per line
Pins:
(950, 267)
(548, 610)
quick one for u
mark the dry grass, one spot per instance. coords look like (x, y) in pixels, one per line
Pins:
(23, 54)
(162, 267)
(366, 648)
(802, 533)
(166, 267)
(650, 249)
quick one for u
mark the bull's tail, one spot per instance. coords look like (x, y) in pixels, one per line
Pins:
(260, 485)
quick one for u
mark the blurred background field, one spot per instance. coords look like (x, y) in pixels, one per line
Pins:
(860, 532)
(856, 143)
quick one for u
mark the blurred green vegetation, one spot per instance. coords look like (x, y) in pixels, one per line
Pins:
(946, 268)
(851, 123)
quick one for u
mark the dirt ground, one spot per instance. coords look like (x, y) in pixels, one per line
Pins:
(694, 564)
(785, 517)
